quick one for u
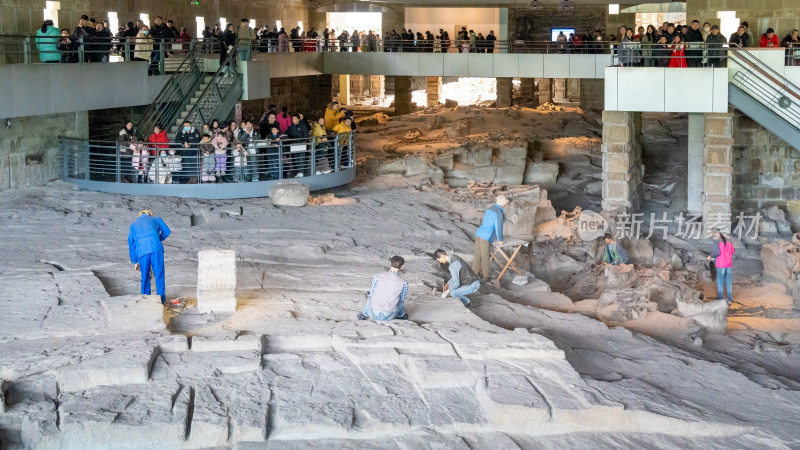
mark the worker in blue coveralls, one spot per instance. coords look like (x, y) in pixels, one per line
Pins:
(491, 228)
(147, 252)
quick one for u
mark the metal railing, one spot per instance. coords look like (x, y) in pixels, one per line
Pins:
(693, 54)
(176, 93)
(163, 54)
(766, 86)
(215, 98)
(24, 49)
(260, 160)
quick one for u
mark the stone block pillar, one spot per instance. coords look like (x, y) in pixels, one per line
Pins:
(527, 88)
(697, 131)
(545, 90)
(717, 171)
(377, 86)
(574, 89)
(402, 95)
(216, 281)
(344, 89)
(622, 161)
(358, 85)
(559, 89)
(505, 88)
(434, 90)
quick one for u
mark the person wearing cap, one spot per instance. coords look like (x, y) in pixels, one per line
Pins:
(83, 33)
(715, 55)
(147, 251)
(491, 228)
(387, 296)
(613, 254)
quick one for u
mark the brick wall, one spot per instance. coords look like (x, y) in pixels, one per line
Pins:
(766, 170)
(29, 149)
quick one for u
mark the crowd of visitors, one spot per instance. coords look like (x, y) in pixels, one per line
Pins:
(220, 152)
(693, 46)
(669, 45)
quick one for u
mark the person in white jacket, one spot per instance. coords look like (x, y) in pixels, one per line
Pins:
(159, 170)
(173, 161)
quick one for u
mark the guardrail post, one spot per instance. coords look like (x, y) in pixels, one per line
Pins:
(336, 156)
(86, 161)
(126, 49)
(64, 159)
(161, 54)
(280, 160)
(313, 156)
(26, 50)
(118, 157)
(81, 51)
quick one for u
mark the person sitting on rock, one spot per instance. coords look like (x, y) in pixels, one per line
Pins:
(614, 254)
(387, 297)
(463, 280)
(491, 228)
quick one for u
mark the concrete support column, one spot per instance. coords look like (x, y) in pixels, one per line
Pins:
(592, 93)
(697, 131)
(505, 88)
(402, 95)
(344, 89)
(559, 89)
(545, 90)
(717, 170)
(377, 86)
(434, 90)
(622, 161)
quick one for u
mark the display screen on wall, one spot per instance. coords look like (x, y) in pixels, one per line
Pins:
(554, 33)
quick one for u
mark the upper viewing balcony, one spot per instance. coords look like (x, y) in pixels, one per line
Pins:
(114, 80)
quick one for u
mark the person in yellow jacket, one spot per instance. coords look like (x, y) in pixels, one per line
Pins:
(342, 130)
(332, 115)
(323, 146)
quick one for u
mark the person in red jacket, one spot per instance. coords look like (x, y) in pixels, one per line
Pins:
(678, 56)
(722, 254)
(769, 39)
(159, 138)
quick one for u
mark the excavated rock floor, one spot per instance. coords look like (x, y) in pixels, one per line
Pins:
(86, 362)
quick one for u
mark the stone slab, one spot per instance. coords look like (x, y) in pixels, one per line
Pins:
(216, 281)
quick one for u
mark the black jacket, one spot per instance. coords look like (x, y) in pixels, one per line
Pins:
(740, 40)
(298, 131)
(69, 51)
(192, 136)
(160, 32)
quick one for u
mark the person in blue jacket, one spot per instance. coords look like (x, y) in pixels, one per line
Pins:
(146, 250)
(491, 228)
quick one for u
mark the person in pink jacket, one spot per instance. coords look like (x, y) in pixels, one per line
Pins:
(139, 161)
(722, 254)
(220, 143)
(284, 119)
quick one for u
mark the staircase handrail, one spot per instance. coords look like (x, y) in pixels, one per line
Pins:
(230, 62)
(779, 101)
(757, 65)
(175, 93)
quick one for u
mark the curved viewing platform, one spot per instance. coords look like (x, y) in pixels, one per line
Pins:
(245, 171)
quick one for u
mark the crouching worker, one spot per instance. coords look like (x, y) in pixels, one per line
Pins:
(146, 250)
(614, 254)
(463, 280)
(387, 297)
